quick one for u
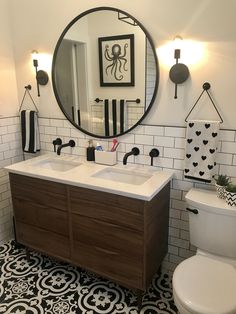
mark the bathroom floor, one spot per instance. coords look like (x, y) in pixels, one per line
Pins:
(47, 286)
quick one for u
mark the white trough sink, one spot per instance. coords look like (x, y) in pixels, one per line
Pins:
(122, 175)
(57, 164)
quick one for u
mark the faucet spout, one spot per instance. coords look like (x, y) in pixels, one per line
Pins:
(135, 151)
(71, 143)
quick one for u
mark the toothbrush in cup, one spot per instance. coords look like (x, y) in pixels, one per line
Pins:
(115, 145)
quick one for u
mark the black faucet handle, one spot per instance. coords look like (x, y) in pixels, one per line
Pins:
(57, 141)
(135, 151)
(153, 153)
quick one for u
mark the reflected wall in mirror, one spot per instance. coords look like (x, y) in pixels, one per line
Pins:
(105, 45)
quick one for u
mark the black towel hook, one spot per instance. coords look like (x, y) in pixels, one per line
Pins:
(206, 86)
(27, 89)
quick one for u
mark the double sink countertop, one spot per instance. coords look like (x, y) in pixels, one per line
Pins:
(135, 181)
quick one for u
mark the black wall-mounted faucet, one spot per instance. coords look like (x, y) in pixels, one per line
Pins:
(134, 151)
(71, 143)
(154, 153)
(56, 142)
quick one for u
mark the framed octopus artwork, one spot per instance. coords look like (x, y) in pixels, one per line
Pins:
(116, 60)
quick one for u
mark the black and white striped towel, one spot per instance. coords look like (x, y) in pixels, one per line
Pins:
(30, 131)
(115, 116)
(201, 147)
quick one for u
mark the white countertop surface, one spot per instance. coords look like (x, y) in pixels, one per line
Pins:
(82, 176)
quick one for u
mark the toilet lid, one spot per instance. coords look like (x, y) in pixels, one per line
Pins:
(206, 286)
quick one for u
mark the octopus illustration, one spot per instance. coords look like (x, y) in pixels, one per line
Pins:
(117, 60)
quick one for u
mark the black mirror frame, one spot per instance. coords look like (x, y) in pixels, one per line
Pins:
(54, 61)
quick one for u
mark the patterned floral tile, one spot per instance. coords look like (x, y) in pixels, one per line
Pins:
(44, 285)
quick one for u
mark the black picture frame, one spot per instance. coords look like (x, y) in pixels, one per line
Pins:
(116, 60)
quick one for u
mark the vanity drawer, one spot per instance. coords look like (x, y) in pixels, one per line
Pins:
(108, 249)
(121, 210)
(41, 216)
(45, 241)
(42, 192)
(109, 265)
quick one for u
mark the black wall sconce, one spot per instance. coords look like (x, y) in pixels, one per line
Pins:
(179, 72)
(41, 76)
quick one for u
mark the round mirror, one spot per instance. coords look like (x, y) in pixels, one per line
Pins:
(105, 72)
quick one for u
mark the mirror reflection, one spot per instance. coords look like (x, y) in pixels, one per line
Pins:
(105, 72)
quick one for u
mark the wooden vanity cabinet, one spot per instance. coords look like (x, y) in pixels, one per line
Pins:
(121, 238)
(41, 215)
(107, 233)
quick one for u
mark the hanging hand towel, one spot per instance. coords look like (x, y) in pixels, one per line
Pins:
(122, 115)
(30, 131)
(106, 117)
(201, 146)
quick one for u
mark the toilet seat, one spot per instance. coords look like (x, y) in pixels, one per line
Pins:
(205, 285)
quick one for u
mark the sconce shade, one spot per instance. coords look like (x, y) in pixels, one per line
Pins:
(179, 73)
(177, 53)
(35, 62)
(42, 77)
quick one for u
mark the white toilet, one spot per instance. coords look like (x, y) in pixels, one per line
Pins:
(206, 282)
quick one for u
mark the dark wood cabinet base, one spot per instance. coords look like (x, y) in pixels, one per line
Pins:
(120, 238)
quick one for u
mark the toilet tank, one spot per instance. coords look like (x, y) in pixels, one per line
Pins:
(213, 229)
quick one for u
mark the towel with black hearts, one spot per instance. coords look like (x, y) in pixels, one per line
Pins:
(201, 146)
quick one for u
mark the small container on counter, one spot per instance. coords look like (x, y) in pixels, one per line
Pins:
(106, 158)
(90, 151)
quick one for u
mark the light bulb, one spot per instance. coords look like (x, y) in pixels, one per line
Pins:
(34, 55)
(177, 42)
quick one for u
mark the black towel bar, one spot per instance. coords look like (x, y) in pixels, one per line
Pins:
(97, 100)
(134, 100)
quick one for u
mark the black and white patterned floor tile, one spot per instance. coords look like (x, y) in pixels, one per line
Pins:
(44, 285)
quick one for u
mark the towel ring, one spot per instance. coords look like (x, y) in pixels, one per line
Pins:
(206, 86)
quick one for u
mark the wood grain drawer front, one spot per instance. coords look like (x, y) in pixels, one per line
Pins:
(108, 249)
(108, 207)
(109, 265)
(43, 192)
(108, 236)
(43, 240)
(41, 216)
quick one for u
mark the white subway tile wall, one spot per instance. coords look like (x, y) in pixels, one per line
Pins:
(171, 144)
(10, 152)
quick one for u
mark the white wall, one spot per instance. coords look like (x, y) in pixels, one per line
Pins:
(37, 25)
(10, 150)
(8, 90)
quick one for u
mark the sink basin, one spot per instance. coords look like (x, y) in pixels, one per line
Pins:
(58, 165)
(124, 176)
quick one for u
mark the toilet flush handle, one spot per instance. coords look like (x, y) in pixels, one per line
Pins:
(195, 211)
